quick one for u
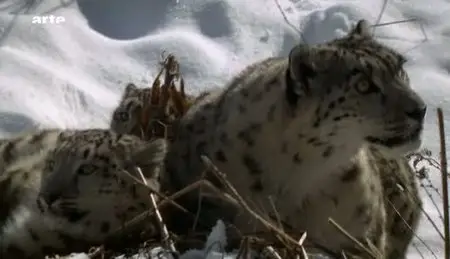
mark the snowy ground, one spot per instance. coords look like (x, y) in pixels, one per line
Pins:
(71, 74)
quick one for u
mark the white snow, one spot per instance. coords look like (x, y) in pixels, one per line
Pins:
(71, 74)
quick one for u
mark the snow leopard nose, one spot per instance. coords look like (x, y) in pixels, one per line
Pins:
(48, 199)
(418, 114)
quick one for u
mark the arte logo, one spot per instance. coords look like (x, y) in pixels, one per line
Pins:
(48, 19)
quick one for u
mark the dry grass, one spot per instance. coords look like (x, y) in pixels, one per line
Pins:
(165, 102)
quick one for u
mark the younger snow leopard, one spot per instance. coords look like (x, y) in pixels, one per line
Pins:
(323, 132)
(65, 190)
(126, 117)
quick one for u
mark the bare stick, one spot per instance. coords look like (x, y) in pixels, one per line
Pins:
(412, 230)
(271, 252)
(383, 8)
(303, 254)
(245, 206)
(164, 233)
(395, 22)
(170, 199)
(444, 181)
(289, 23)
(353, 239)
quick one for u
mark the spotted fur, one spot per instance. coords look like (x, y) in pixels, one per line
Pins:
(69, 189)
(323, 132)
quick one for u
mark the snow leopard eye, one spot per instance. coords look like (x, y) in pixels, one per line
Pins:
(86, 169)
(50, 165)
(366, 87)
(364, 84)
(122, 115)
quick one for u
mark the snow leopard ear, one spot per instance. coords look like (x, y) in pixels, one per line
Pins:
(130, 88)
(301, 70)
(361, 29)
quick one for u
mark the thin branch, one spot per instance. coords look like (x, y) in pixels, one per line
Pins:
(164, 233)
(350, 237)
(244, 205)
(444, 181)
(412, 230)
(289, 23)
(383, 8)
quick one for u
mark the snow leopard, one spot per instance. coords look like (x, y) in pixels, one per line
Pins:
(320, 134)
(66, 190)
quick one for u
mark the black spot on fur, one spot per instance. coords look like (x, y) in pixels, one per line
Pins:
(242, 108)
(8, 153)
(271, 112)
(105, 227)
(257, 97)
(85, 153)
(312, 140)
(33, 235)
(372, 188)
(75, 216)
(350, 175)
(315, 142)
(331, 105)
(190, 127)
(224, 139)
(246, 136)
(377, 232)
(316, 123)
(36, 138)
(340, 117)
(257, 186)
(397, 231)
(361, 210)
(273, 81)
(208, 106)
(132, 209)
(328, 151)
(252, 165)
(133, 192)
(220, 156)
(245, 92)
(200, 147)
(25, 176)
(297, 159)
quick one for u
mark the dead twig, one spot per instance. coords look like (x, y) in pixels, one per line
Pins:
(444, 181)
(350, 237)
(288, 22)
(412, 230)
(164, 233)
(219, 175)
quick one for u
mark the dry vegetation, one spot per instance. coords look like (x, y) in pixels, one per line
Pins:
(166, 105)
